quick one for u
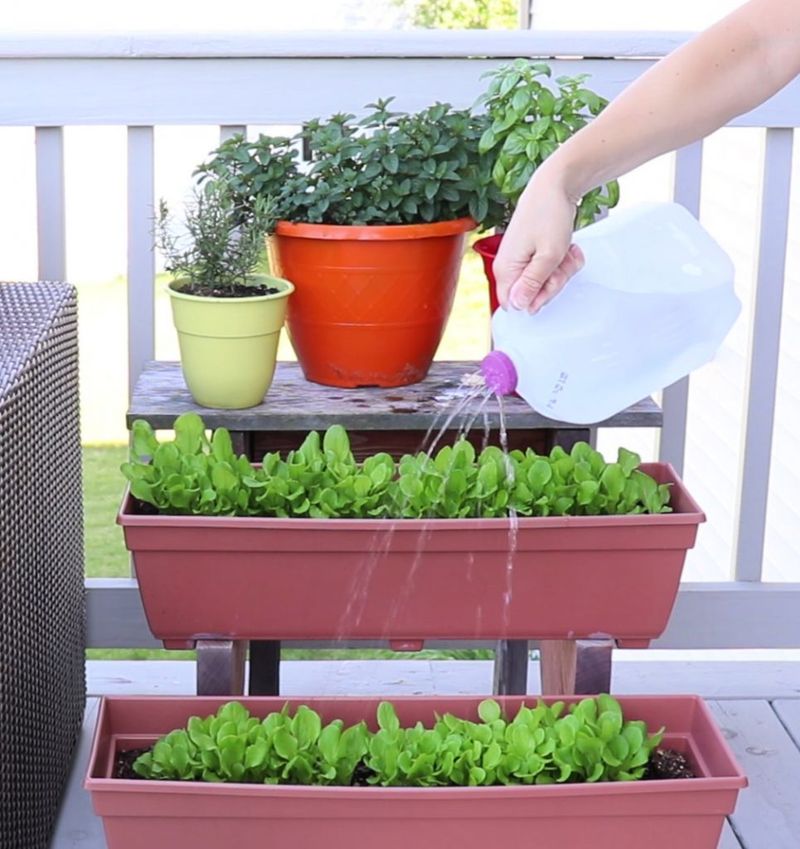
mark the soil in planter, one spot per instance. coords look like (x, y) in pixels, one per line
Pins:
(238, 291)
(123, 763)
(360, 775)
(144, 508)
(667, 763)
(664, 763)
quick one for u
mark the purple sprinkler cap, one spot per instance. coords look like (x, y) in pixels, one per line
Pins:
(499, 373)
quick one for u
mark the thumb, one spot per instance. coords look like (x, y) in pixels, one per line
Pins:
(530, 282)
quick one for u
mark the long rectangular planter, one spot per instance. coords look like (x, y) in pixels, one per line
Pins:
(548, 578)
(621, 815)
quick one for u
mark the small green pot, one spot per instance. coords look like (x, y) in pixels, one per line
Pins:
(229, 345)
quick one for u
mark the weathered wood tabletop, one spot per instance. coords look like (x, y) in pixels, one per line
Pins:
(294, 404)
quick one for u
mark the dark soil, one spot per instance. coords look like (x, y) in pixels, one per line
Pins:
(123, 765)
(237, 291)
(145, 508)
(664, 763)
(667, 763)
(360, 775)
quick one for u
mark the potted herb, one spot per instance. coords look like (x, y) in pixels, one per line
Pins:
(455, 771)
(227, 316)
(371, 231)
(456, 545)
(526, 121)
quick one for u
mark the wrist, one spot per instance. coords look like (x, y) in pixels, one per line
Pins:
(575, 168)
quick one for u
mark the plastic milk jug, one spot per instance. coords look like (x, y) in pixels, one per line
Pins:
(653, 302)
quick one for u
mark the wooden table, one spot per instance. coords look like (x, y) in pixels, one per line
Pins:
(397, 421)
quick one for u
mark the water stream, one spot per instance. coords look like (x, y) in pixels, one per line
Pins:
(470, 403)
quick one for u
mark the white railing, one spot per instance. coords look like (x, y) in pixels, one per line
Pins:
(235, 81)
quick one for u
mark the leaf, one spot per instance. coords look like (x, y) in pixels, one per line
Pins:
(487, 141)
(284, 743)
(336, 443)
(306, 726)
(520, 101)
(329, 742)
(221, 444)
(387, 718)
(189, 433)
(223, 478)
(144, 442)
(507, 81)
(587, 491)
(256, 754)
(628, 461)
(489, 710)
(492, 756)
(410, 487)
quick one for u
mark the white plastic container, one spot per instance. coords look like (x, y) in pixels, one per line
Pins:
(653, 302)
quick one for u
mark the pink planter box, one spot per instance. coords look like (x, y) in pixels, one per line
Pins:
(654, 814)
(407, 580)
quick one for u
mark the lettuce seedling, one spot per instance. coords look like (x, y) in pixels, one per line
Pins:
(233, 746)
(201, 475)
(540, 745)
(545, 744)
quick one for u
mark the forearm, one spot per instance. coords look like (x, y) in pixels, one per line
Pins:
(724, 72)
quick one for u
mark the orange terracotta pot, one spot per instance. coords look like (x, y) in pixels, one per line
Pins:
(370, 303)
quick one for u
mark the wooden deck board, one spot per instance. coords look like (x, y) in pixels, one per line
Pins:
(767, 815)
(729, 839)
(710, 679)
(77, 826)
(789, 714)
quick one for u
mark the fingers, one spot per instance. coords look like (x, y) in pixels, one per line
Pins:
(543, 278)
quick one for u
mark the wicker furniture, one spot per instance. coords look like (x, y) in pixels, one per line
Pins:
(42, 639)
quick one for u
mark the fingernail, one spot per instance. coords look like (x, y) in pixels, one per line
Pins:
(519, 301)
(577, 254)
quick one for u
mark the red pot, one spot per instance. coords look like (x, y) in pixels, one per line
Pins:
(612, 815)
(487, 248)
(370, 303)
(409, 580)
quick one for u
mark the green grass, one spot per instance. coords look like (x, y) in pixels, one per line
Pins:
(103, 343)
(106, 555)
(302, 654)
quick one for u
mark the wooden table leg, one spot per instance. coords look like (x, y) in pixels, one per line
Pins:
(265, 655)
(569, 667)
(265, 668)
(575, 667)
(511, 668)
(220, 667)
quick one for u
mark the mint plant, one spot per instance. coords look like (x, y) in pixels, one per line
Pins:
(592, 741)
(528, 120)
(438, 164)
(390, 167)
(201, 475)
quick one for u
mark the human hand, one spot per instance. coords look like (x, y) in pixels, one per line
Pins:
(535, 259)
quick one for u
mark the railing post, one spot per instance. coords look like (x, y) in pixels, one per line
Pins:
(50, 203)
(686, 185)
(765, 338)
(141, 254)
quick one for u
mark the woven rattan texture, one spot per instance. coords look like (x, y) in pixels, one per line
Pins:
(42, 618)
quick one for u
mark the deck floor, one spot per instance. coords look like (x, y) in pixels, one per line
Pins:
(755, 696)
